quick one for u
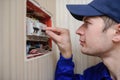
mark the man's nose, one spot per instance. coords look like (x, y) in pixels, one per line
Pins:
(80, 31)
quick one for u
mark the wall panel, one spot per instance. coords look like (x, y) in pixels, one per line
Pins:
(13, 65)
(12, 39)
(5, 37)
(1, 43)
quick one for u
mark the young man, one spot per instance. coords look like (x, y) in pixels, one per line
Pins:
(99, 36)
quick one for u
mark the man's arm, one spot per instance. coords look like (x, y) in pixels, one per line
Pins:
(65, 70)
(65, 66)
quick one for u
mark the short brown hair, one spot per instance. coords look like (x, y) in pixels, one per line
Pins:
(108, 22)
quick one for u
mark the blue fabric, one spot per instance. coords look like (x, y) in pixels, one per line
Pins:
(65, 71)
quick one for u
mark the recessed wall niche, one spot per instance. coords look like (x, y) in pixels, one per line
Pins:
(37, 42)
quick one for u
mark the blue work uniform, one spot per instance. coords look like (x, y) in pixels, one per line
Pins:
(65, 71)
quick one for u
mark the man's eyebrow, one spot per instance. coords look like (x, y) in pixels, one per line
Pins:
(85, 19)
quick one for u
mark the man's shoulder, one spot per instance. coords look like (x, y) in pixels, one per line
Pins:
(96, 68)
(96, 72)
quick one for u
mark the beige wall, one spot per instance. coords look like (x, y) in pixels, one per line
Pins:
(12, 40)
(13, 65)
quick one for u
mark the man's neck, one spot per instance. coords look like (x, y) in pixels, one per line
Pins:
(112, 62)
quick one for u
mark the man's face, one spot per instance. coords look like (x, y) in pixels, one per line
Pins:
(93, 39)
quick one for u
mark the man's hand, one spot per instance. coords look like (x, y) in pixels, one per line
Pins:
(61, 37)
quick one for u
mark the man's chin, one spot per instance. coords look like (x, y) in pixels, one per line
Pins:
(89, 54)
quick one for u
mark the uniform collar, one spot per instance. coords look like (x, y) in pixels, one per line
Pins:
(105, 73)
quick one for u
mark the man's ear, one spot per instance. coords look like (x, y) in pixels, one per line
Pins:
(116, 37)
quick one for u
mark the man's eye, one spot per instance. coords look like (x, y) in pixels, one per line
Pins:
(87, 23)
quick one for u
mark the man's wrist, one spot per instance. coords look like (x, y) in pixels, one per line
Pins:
(67, 55)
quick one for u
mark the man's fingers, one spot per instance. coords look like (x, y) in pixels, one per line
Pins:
(55, 29)
(53, 35)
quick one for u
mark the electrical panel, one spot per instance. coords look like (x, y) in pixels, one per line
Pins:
(37, 18)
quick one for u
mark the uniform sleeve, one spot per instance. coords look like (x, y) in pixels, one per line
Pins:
(65, 70)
